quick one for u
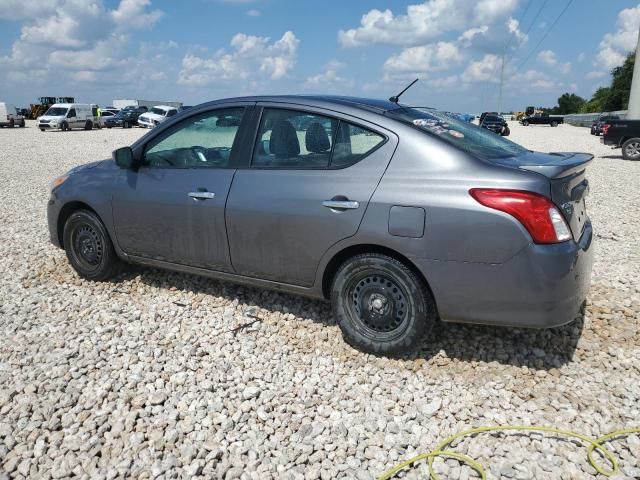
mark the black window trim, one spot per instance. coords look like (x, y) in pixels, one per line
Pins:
(313, 111)
(235, 148)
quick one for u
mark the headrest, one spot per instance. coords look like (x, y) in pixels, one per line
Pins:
(284, 141)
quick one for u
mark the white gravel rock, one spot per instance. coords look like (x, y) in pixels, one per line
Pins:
(137, 377)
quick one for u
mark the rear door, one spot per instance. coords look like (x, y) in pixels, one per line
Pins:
(310, 179)
(172, 208)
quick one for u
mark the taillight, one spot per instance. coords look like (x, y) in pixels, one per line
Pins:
(605, 128)
(535, 212)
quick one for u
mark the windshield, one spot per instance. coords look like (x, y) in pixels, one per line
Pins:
(492, 118)
(158, 111)
(477, 141)
(57, 111)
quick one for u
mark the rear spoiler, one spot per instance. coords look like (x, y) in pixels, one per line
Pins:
(567, 164)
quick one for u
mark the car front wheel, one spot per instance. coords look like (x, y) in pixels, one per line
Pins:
(525, 123)
(631, 149)
(381, 306)
(89, 248)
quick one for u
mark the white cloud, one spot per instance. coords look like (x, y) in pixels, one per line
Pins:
(483, 70)
(548, 57)
(250, 54)
(614, 47)
(424, 22)
(423, 59)
(21, 9)
(581, 57)
(133, 13)
(253, 12)
(330, 79)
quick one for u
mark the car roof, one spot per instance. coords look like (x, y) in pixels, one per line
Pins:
(370, 104)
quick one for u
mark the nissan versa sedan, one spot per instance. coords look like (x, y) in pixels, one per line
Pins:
(400, 216)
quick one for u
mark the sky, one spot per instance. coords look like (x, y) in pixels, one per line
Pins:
(199, 50)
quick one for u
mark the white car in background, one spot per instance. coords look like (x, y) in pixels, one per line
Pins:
(156, 115)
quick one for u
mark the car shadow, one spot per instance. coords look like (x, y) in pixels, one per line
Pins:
(521, 347)
(616, 157)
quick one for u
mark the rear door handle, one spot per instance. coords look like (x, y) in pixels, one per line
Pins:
(201, 195)
(341, 204)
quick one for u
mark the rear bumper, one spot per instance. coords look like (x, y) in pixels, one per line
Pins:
(542, 286)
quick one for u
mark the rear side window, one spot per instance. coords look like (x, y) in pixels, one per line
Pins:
(353, 143)
(294, 139)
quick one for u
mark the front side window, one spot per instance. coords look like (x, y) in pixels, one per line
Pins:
(158, 111)
(202, 141)
(72, 113)
(171, 113)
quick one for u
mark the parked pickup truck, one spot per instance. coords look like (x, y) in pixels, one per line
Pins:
(542, 119)
(623, 134)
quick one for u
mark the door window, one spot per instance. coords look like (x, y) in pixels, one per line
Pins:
(72, 113)
(171, 113)
(202, 141)
(293, 139)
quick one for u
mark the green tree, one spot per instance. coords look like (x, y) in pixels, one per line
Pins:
(621, 85)
(569, 103)
(597, 102)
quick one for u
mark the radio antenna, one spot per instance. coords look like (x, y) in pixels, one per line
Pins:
(395, 98)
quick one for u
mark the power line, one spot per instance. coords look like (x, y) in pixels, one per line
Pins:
(545, 35)
(533, 22)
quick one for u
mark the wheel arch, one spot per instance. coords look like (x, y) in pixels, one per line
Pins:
(343, 255)
(67, 210)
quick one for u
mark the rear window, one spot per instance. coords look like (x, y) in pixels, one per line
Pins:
(463, 135)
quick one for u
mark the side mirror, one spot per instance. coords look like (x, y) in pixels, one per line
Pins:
(124, 157)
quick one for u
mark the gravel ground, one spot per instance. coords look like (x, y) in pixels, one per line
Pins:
(162, 375)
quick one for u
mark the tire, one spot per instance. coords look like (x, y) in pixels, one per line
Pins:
(12, 123)
(631, 149)
(22, 124)
(525, 123)
(505, 132)
(89, 248)
(88, 125)
(125, 124)
(64, 126)
(554, 124)
(42, 129)
(407, 310)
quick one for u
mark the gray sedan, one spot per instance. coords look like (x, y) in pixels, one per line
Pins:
(400, 216)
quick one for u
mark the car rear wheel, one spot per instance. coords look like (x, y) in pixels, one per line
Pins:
(525, 123)
(554, 124)
(381, 305)
(88, 125)
(631, 149)
(12, 123)
(89, 248)
(22, 123)
(125, 124)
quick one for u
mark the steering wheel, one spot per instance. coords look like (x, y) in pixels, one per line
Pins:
(200, 153)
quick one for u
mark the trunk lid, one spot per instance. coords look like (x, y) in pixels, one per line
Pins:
(569, 186)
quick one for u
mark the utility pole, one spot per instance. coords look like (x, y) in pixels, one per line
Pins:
(501, 82)
(633, 111)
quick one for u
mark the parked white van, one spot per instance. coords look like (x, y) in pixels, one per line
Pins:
(156, 115)
(9, 116)
(66, 116)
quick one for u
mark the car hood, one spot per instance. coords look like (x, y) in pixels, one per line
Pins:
(86, 166)
(51, 117)
(152, 116)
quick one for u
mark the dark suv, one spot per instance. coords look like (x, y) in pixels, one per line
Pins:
(125, 118)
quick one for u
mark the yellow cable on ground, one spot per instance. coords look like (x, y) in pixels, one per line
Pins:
(439, 450)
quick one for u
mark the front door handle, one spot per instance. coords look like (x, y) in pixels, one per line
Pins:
(341, 204)
(201, 195)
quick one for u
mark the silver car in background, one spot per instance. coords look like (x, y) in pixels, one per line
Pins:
(400, 216)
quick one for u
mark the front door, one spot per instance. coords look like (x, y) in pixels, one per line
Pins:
(308, 186)
(172, 208)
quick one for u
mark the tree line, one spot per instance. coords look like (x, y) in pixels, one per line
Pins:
(605, 99)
